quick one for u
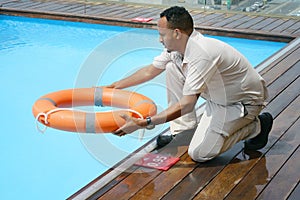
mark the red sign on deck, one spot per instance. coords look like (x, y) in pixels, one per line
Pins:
(141, 19)
(157, 161)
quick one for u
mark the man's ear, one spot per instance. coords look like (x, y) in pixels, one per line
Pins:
(177, 33)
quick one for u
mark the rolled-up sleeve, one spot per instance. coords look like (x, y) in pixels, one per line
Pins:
(161, 61)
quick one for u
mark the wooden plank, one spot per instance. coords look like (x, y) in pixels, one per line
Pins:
(277, 58)
(198, 17)
(263, 23)
(7, 4)
(207, 19)
(105, 8)
(227, 20)
(19, 5)
(111, 184)
(273, 25)
(251, 22)
(286, 78)
(137, 13)
(215, 20)
(154, 13)
(257, 176)
(278, 104)
(261, 174)
(297, 32)
(3, 1)
(50, 6)
(148, 12)
(151, 12)
(57, 6)
(82, 9)
(96, 9)
(106, 12)
(43, 5)
(122, 12)
(227, 179)
(290, 30)
(238, 22)
(295, 195)
(130, 184)
(29, 5)
(202, 175)
(67, 8)
(283, 65)
(78, 8)
(285, 25)
(166, 181)
(36, 6)
(287, 178)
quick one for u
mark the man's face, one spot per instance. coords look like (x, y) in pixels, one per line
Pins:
(166, 36)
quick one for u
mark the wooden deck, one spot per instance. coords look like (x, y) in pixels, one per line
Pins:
(216, 23)
(271, 173)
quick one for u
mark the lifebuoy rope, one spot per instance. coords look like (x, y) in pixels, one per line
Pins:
(141, 135)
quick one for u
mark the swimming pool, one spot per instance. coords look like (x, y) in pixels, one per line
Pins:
(41, 56)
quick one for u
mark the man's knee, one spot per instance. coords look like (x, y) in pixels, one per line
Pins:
(202, 155)
(197, 156)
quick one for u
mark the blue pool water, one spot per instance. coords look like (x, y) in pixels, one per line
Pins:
(41, 56)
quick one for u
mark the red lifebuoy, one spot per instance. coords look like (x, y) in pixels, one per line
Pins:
(55, 109)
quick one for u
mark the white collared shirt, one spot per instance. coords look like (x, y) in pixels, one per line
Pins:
(216, 70)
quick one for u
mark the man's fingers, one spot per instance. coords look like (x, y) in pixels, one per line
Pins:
(128, 127)
(119, 132)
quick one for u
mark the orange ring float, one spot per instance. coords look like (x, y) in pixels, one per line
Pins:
(55, 109)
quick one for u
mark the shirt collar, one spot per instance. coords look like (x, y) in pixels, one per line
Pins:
(192, 37)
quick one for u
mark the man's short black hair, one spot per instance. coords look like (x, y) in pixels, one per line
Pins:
(179, 17)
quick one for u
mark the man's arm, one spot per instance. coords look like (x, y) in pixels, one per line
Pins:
(142, 75)
(184, 106)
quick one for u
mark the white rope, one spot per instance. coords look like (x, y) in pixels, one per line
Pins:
(141, 135)
(46, 117)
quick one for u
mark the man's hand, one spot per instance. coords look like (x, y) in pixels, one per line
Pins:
(113, 85)
(132, 124)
